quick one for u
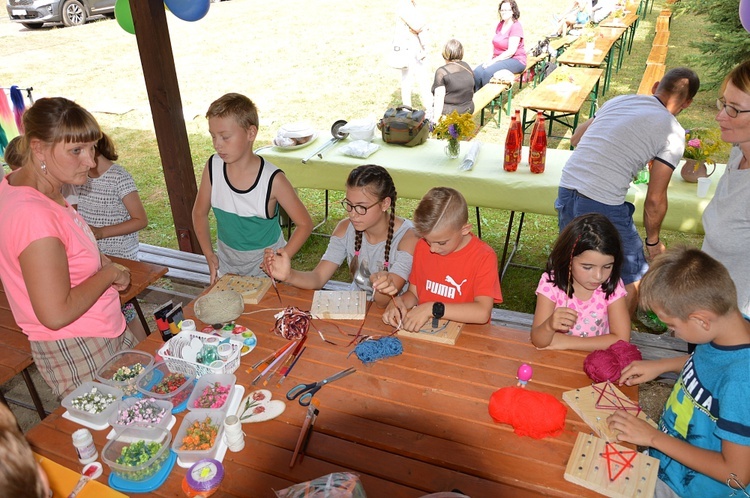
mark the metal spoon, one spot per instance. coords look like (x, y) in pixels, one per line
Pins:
(337, 135)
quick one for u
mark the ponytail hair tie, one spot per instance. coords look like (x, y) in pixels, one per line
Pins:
(356, 253)
(385, 265)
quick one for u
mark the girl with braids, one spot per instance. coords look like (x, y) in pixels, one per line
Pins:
(372, 233)
(581, 294)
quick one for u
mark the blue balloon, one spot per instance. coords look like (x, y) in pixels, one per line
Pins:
(745, 14)
(188, 10)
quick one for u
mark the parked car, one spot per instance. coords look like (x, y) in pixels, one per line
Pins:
(34, 13)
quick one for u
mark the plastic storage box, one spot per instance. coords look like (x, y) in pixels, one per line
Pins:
(133, 435)
(158, 404)
(158, 373)
(192, 456)
(209, 380)
(124, 359)
(99, 418)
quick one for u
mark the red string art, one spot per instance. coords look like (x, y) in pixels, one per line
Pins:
(615, 457)
(609, 400)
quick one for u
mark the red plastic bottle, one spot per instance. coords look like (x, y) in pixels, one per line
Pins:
(511, 159)
(538, 147)
(520, 136)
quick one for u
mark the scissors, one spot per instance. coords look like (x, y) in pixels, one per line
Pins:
(305, 392)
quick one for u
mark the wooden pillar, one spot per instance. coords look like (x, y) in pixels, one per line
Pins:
(155, 48)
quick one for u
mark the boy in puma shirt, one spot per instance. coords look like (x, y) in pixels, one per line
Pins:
(454, 274)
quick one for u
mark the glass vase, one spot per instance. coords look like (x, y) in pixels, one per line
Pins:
(453, 148)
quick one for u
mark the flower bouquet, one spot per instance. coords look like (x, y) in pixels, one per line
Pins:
(701, 144)
(454, 127)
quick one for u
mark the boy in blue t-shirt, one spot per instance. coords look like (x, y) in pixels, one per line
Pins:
(704, 442)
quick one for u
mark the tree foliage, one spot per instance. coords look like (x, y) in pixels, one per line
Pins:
(727, 43)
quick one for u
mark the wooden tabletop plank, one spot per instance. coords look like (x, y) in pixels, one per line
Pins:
(578, 55)
(564, 90)
(617, 22)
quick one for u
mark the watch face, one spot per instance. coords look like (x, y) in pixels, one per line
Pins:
(438, 310)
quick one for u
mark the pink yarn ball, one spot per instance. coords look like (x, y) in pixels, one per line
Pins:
(626, 353)
(607, 364)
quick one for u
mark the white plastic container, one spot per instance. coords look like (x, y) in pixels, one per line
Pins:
(84, 445)
(208, 380)
(192, 456)
(99, 418)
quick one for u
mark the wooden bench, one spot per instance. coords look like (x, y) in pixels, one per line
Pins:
(16, 357)
(661, 39)
(489, 97)
(653, 73)
(663, 23)
(652, 346)
(658, 55)
(180, 265)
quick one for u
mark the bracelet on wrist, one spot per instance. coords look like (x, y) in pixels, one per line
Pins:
(649, 244)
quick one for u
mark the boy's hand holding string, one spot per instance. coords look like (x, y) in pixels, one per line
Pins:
(396, 309)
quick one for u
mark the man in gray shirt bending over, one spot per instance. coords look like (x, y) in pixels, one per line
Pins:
(611, 148)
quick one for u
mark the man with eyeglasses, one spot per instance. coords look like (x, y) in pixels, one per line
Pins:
(626, 134)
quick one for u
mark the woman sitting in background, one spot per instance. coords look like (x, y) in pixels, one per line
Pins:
(507, 44)
(453, 87)
(63, 293)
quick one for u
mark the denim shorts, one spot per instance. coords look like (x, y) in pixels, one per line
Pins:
(570, 204)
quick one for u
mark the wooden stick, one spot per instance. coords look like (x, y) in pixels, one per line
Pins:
(302, 435)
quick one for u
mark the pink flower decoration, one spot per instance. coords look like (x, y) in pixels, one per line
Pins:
(696, 142)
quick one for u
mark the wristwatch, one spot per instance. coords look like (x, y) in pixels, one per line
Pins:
(438, 310)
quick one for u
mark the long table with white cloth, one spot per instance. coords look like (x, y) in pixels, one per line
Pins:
(415, 170)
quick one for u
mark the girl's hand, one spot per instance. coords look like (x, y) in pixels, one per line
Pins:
(416, 318)
(631, 428)
(381, 282)
(563, 319)
(97, 231)
(394, 313)
(213, 266)
(639, 372)
(277, 264)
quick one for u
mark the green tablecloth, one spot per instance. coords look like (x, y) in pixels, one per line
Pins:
(416, 170)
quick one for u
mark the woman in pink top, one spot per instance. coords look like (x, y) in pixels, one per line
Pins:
(62, 291)
(508, 51)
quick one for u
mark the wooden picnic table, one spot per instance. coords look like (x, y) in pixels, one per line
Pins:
(602, 54)
(630, 22)
(562, 95)
(408, 425)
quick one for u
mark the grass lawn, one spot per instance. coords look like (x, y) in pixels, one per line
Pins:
(314, 61)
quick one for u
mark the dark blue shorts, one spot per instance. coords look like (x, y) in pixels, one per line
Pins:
(570, 204)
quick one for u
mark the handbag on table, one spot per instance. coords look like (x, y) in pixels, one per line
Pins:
(404, 126)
